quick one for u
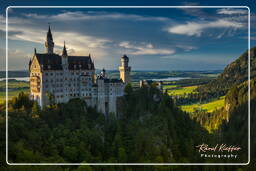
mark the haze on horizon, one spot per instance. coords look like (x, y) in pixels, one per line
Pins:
(154, 39)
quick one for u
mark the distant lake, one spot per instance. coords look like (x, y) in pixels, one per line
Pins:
(171, 79)
(16, 78)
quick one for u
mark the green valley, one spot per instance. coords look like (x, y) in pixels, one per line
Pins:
(208, 107)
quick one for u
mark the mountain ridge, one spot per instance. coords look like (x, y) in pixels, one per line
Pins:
(234, 73)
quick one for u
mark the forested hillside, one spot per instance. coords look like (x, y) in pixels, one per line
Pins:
(235, 131)
(148, 128)
(234, 73)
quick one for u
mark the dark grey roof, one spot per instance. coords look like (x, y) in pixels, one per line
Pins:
(54, 61)
(112, 81)
(76, 61)
(125, 57)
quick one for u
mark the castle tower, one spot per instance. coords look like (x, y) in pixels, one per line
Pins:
(64, 58)
(49, 44)
(125, 69)
(103, 73)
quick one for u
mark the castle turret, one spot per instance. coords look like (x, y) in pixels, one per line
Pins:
(103, 73)
(125, 69)
(49, 44)
(64, 57)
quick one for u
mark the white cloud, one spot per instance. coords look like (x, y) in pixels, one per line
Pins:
(228, 11)
(196, 29)
(71, 16)
(186, 47)
(77, 43)
(145, 49)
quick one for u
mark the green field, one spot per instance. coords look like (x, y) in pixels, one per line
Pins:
(169, 86)
(15, 87)
(14, 84)
(209, 107)
(11, 94)
(181, 90)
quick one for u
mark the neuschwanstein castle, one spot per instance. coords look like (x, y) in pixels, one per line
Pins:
(64, 77)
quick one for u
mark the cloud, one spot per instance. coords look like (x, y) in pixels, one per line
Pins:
(228, 11)
(27, 27)
(16, 56)
(186, 47)
(145, 49)
(196, 29)
(93, 15)
(77, 43)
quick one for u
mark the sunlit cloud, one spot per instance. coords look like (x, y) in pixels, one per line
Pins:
(145, 49)
(229, 11)
(196, 29)
(93, 15)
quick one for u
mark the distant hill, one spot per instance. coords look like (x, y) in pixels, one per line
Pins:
(12, 74)
(234, 73)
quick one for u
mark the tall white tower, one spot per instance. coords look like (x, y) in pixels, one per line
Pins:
(125, 69)
(49, 44)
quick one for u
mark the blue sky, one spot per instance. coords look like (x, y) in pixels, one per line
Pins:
(154, 39)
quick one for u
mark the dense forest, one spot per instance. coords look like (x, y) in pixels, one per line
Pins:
(148, 128)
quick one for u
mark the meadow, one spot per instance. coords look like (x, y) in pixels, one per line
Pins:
(209, 107)
(180, 91)
(15, 87)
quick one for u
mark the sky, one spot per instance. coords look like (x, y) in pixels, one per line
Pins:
(153, 38)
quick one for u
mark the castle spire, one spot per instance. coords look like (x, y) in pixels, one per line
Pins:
(49, 33)
(64, 52)
(49, 44)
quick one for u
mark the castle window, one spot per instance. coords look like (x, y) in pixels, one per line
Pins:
(46, 73)
(51, 73)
